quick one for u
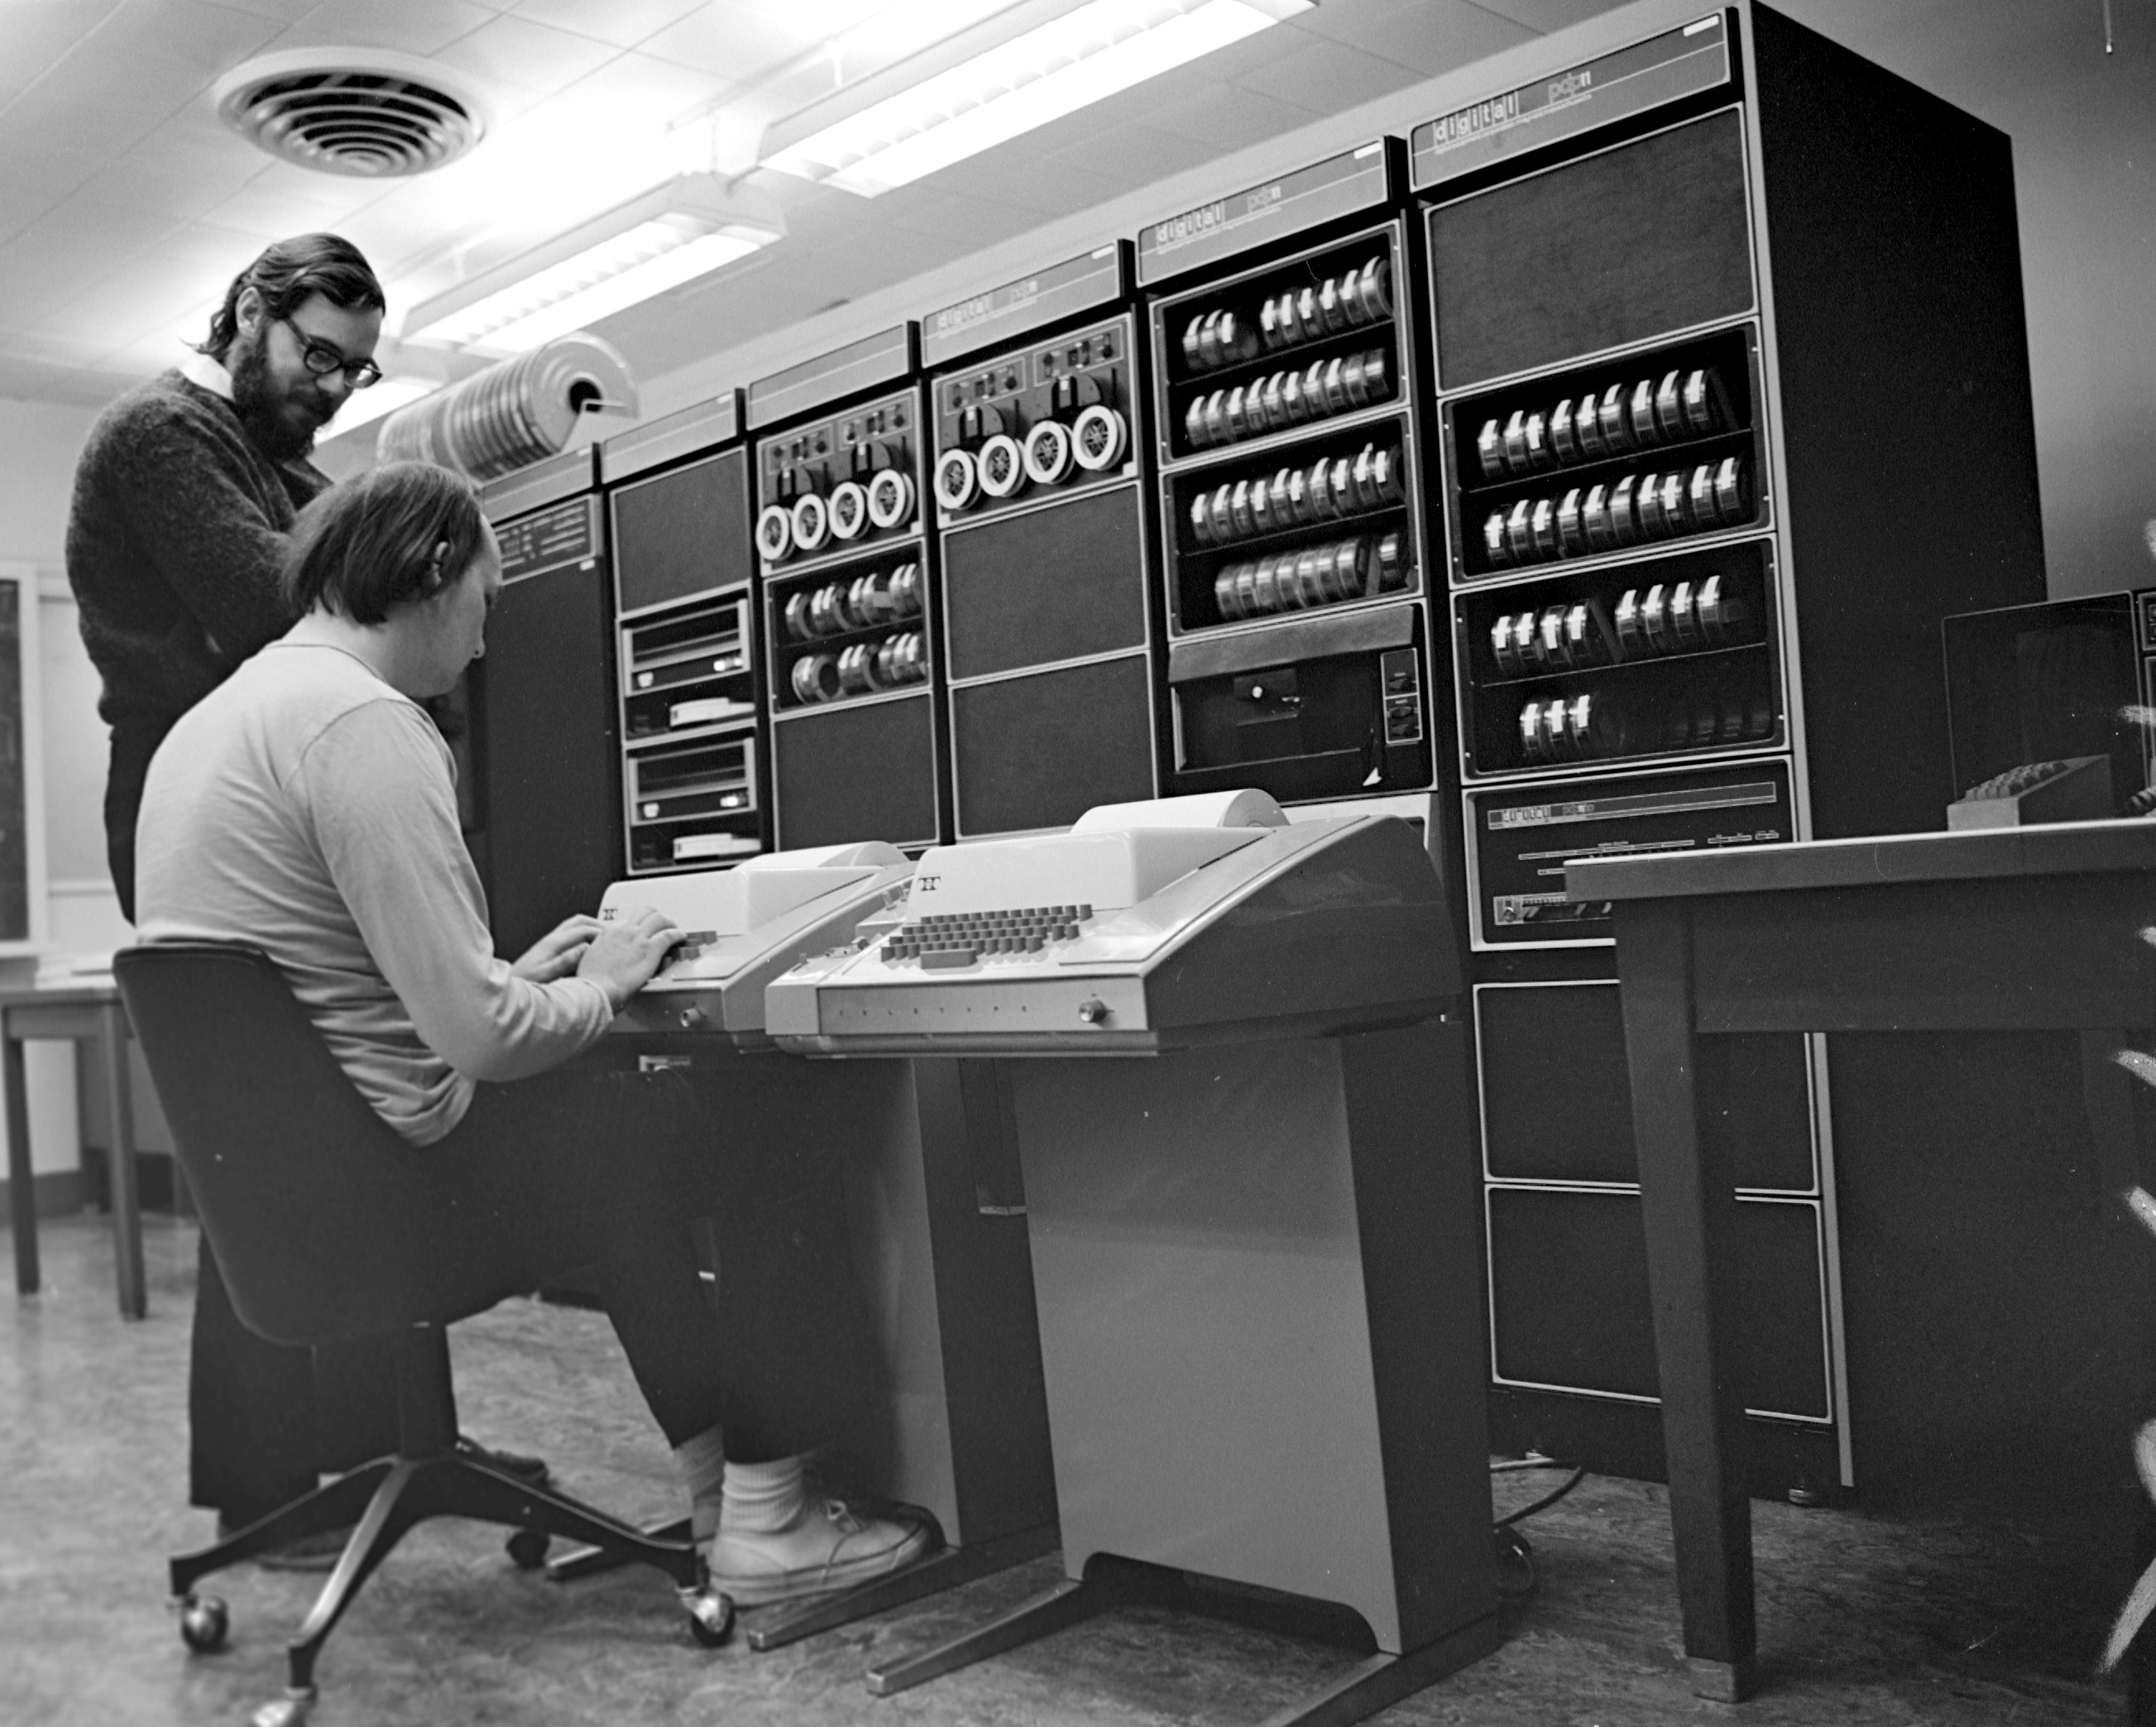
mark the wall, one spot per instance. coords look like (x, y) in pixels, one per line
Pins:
(37, 446)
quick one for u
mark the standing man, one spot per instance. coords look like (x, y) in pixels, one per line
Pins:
(184, 497)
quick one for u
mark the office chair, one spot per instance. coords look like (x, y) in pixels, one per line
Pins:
(327, 1226)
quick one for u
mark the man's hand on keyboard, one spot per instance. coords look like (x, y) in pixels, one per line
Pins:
(556, 954)
(624, 956)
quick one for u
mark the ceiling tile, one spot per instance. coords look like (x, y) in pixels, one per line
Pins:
(517, 52)
(38, 35)
(279, 12)
(654, 90)
(1544, 16)
(137, 187)
(1228, 118)
(420, 27)
(1132, 155)
(1329, 77)
(625, 23)
(1427, 36)
(270, 215)
(207, 37)
(118, 82)
(736, 43)
(89, 135)
(194, 143)
(20, 205)
(23, 379)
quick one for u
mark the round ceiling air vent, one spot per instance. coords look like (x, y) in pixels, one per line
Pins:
(357, 111)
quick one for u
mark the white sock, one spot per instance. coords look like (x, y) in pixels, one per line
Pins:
(703, 1462)
(762, 1499)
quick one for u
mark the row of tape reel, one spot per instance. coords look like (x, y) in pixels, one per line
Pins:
(814, 521)
(1221, 336)
(1585, 727)
(1332, 487)
(1315, 576)
(1687, 403)
(864, 668)
(865, 603)
(1290, 398)
(1607, 517)
(1660, 619)
(1052, 454)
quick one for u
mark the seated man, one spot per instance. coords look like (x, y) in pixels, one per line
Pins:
(307, 807)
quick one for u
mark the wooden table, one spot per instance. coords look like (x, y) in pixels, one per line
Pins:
(2039, 929)
(79, 1013)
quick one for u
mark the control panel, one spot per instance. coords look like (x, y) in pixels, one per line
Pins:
(1034, 422)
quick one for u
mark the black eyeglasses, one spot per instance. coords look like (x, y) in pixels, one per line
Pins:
(322, 359)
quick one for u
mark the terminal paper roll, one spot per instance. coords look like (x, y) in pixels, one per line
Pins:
(1250, 809)
(514, 413)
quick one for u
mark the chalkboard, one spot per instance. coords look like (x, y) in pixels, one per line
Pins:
(21, 815)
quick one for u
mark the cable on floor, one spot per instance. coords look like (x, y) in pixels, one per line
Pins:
(1517, 1578)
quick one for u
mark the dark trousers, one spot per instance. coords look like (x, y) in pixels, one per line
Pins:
(265, 1421)
(724, 1266)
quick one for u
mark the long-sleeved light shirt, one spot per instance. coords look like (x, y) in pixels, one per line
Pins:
(306, 808)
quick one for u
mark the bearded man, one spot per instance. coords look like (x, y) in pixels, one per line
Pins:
(184, 500)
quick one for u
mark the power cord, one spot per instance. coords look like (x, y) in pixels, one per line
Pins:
(1517, 1576)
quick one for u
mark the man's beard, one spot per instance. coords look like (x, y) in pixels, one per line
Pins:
(282, 427)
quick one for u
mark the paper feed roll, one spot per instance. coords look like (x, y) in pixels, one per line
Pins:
(516, 411)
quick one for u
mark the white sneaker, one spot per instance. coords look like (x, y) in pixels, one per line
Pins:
(828, 1547)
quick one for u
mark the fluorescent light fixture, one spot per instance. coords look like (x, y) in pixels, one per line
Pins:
(685, 228)
(385, 396)
(1062, 56)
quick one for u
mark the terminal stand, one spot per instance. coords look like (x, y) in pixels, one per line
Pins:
(1257, 1274)
(940, 1257)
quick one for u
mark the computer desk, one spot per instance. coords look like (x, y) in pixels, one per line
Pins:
(2038, 929)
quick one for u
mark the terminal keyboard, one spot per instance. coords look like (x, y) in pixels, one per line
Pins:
(946, 939)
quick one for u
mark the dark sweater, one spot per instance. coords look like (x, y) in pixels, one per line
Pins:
(175, 542)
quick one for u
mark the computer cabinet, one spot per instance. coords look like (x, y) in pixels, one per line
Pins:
(1731, 395)
(695, 756)
(849, 583)
(540, 777)
(1037, 410)
(1289, 377)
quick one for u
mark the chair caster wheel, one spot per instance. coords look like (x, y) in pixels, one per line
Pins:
(711, 1618)
(289, 1710)
(204, 1623)
(527, 1549)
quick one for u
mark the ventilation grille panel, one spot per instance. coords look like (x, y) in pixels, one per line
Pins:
(349, 113)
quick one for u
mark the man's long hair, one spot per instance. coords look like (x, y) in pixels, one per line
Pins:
(287, 273)
(394, 533)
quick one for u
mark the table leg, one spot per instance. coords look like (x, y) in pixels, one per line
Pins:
(22, 1189)
(126, 1202)
(1688, 1204)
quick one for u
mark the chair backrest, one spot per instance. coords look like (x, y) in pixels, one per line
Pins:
(324, 1221)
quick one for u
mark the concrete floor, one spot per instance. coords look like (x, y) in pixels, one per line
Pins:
(1954, 1615)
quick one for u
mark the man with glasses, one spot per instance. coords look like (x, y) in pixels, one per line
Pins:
(184, 497)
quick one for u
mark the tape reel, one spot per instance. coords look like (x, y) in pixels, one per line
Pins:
(775, 533)
(1049, 454)
(1098, 438)
(848, 510)
(957, 481)
(815, 677)
(890, 499)
(1001, 465)
(812, 522)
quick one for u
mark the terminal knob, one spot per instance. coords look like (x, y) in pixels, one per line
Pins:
(1093, 1010)
(692, 1018)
